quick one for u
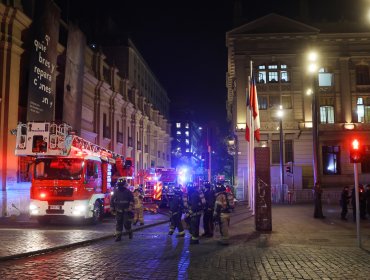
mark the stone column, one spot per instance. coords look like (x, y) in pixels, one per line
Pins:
(13, 23)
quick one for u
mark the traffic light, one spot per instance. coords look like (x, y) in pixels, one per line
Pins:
(356, 152)
(288, 169)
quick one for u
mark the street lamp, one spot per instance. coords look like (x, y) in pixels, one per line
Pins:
(280, 114)
(312, 68)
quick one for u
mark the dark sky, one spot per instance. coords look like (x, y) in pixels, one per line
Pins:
(183, 42)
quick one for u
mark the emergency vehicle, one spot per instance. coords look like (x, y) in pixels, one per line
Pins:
(159, 184)
(71, 176)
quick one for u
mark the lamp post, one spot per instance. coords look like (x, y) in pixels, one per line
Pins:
(280, 114)
(312, 69)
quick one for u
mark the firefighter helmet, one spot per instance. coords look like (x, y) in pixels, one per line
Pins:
(220, 188)
(121, 182)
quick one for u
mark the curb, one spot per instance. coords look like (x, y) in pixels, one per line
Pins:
(71, 245)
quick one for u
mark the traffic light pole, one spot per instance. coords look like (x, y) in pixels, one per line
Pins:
(355, 170)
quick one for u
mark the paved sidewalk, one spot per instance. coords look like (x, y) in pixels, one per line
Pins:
(21, 236)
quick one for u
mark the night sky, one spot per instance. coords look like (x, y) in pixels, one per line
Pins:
(183, 42)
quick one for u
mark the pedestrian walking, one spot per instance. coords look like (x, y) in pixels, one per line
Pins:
(176, 208)
(138, 207)
(223, 206)
(317, 194)
(344, 199)
(208, 224)
(121, 205)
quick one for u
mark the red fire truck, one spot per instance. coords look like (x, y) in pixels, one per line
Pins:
(71, 176)
(159, 183)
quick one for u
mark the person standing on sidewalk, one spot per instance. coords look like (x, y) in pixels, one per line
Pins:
(223, 206)
(121, 204)
(138, 207)
(344, 199)
(209, 195)
(176, 207)
(317, 193)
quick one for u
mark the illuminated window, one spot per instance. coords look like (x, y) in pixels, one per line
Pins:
(363, 110)
(178, 132)
(187, 141)
(326, 114)
(186, 125)
(178, 125)
(325, 78)
(187, 133)
(187, 150)
(273, 73)
(331, 160)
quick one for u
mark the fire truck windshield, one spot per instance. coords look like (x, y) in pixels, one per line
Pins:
(58, 169)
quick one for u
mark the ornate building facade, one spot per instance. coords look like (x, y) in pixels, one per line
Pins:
(111, 98)
(278, 47)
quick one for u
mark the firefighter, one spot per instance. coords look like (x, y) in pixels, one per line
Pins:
(223, 206)
(197, 203)
(138, 207)
(209, 196)
(122, 203)
(176, 207)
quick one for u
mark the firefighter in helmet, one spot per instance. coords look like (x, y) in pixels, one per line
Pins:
(122, 203)
(221, 215)
(197, 203)
(209, 195)
(138, 206)
(176, 207)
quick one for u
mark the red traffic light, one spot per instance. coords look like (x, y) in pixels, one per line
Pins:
(356, 152)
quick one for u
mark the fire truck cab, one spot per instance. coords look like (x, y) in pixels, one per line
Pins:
(71, 176)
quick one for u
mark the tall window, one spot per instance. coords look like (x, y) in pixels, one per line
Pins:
(273, 73)
(365, 164)
(289, 151)
(331, 160)
(275, 151)
(274, 101)
(262, 102)
(326, 114)
(362, 75)
(286, 101)
(178, 125)
(363, 109)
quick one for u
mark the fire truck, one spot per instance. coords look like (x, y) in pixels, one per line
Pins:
(71, 176)
(159, 184)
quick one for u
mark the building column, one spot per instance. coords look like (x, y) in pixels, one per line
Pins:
(345, 90)
(13, 23)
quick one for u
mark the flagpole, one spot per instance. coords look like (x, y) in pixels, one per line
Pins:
(252, 147)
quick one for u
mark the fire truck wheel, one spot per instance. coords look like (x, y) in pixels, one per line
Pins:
(43, 220)
(97, 213)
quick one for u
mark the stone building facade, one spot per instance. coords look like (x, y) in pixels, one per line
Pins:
(278, 47)
(120, 106)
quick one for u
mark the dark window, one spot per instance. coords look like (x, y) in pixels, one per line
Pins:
(262, 102)
(289, 151)
(331, 160)
(275, 151)
(365, 164)
(106, 128)
(362, 75)
(274, 101)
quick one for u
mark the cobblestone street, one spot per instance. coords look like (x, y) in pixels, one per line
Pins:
(299, 247)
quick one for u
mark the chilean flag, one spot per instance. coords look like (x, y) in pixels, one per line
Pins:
(252, 104)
